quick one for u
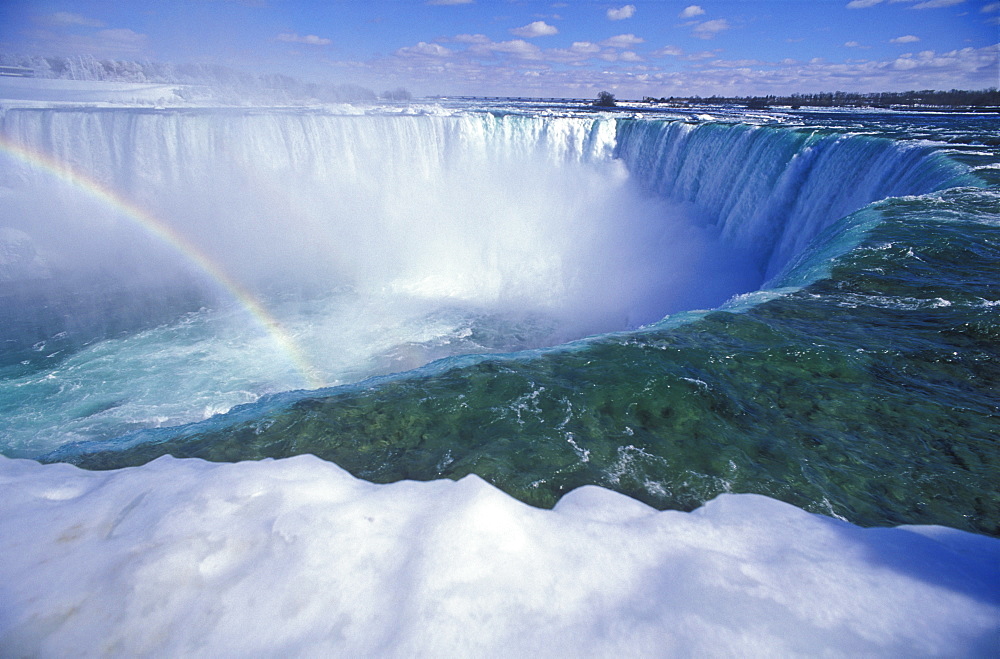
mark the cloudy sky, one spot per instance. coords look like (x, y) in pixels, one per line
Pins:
(571, 48)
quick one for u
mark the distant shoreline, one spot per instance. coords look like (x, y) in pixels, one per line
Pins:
(925, 100)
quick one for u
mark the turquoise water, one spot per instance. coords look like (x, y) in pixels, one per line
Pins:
(861, 382)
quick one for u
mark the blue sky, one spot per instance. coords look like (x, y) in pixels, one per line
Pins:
(524, 47)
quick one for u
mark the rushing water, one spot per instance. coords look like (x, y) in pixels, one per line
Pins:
(827, 283)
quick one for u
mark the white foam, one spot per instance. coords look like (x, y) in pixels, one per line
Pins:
(297, 558)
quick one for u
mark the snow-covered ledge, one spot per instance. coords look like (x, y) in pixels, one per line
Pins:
(296, 557)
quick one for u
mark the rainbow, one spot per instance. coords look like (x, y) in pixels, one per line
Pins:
(169, 236)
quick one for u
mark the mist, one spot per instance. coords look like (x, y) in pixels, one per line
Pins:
(501, 217)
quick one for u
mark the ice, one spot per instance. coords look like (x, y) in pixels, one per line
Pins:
(296, 557)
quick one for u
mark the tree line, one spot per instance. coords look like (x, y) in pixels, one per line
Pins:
(954, 98)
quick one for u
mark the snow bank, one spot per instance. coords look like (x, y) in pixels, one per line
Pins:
(32, 91)
(189, 558)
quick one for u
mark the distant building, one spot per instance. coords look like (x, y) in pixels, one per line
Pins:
(17, 71)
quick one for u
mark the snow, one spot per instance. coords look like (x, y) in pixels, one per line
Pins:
(37, 91)
(57, 93)
(297, 557)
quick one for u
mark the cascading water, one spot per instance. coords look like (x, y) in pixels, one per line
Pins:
(504, 212)
(773, 190)
(509, 213)
(369, 245)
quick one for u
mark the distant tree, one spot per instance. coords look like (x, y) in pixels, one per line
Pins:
(605, 100)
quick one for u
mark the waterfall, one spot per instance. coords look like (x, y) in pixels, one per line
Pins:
(283, 247)
(601, 223)
(775, 189)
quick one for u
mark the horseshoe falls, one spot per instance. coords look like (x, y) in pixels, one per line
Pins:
(498, 379)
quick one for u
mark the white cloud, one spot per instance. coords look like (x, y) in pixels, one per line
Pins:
(310, 39)
(424, 49)
(621, 56)
(965, 69)
(862, 4)
(852, 44)
(671, 51)
(518, 48)
(905, 64)
(935, 4)
(906, 38)
(535, 29)
(628, 11)
(737, 64)
(703, 55)
(929, 59)
(709, 29)
(479, 66)
(67, 18)
(929, 4)
(623, 41)
(123, 35)
(706, 74)
(121, 40)
(578, 53)
(471, 38)
(113, 43)
(993, 6)
(691, 11)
